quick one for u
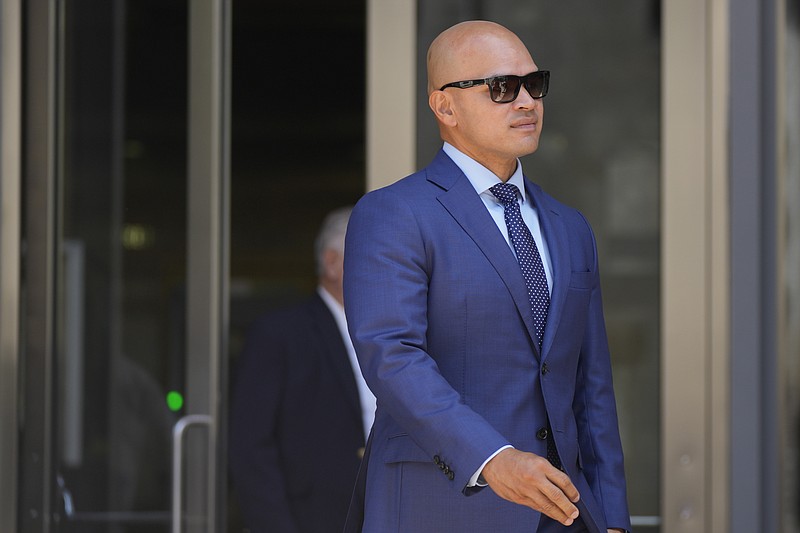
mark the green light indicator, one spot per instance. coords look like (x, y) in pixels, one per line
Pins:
(174, 400)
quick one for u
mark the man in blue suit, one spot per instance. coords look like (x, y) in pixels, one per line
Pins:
(488, 356)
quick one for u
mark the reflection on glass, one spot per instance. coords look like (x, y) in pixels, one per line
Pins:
(599, 152)
(122, 220)
(121, 278)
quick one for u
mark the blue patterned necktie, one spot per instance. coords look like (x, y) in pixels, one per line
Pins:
(530, 262)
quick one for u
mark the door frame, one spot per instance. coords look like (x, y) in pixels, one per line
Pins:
(10, 169)
(36, 486)
(208, 241)
(27, 475)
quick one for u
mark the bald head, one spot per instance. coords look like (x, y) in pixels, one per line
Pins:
(467, 49)
(491, 133)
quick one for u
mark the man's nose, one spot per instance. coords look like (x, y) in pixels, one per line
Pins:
(524, 99)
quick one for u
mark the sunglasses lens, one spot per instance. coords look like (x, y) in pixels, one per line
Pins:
(504, 89)
(537, 83)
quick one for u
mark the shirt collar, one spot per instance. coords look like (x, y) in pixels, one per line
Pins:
(337, 310)
(481, 177)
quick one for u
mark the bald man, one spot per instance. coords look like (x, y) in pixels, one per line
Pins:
(473, 301)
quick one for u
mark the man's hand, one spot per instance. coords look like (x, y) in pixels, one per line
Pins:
(530, 480)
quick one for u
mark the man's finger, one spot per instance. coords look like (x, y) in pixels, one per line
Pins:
(547, 507)
(563, 482)
(559, 507)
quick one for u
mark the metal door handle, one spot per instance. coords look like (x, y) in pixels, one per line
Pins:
(177, 463)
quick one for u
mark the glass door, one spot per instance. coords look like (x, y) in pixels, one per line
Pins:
(128, 219)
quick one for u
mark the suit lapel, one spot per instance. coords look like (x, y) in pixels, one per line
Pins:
(467, 208)
(556, 237)
(335, 352)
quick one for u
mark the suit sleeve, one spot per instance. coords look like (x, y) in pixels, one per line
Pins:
(595, 411)
(255, 467)
(387, 275)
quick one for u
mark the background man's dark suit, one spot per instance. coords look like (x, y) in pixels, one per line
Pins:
(296, 427)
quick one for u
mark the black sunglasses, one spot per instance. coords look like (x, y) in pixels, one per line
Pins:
(505, 89)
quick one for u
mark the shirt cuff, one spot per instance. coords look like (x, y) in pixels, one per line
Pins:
(473, 481)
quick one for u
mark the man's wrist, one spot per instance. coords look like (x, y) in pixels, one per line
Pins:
(477, 479)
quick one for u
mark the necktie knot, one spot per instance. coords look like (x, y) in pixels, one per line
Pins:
(505, 192)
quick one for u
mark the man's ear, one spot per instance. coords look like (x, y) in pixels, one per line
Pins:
(442, 106)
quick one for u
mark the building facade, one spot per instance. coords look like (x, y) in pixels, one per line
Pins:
(152, 153)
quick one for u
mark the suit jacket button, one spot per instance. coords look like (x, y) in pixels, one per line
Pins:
(451, 475)
(436, 459)
(541, 434)
(360, 453)
(545, 370)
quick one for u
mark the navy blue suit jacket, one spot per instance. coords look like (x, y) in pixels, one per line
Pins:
(439, 314)
(296, 431)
